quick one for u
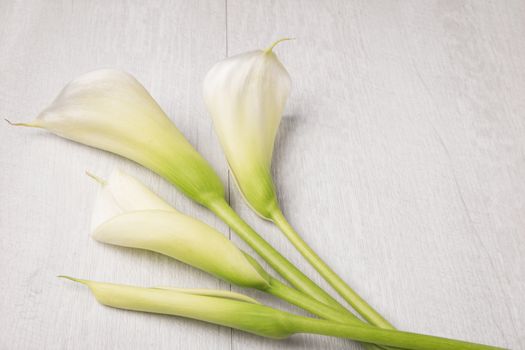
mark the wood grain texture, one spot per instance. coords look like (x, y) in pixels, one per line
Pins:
(400, 159)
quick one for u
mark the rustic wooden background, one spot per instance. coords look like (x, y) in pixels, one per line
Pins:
(401, 159)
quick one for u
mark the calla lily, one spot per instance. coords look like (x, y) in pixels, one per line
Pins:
(219, 307)
(111, 110)
(246, 95)
(128, 214)
(240, 312)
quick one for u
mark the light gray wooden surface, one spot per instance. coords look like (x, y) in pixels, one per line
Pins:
(401, 159)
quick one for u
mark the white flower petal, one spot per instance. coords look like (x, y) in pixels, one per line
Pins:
(123, 193)
(185, 239)
(109, 109)
(246, 95)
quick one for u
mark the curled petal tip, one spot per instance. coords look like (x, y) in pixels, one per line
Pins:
(270, 48)
(96, 178)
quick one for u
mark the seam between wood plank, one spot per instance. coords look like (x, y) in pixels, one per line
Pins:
(228, 168)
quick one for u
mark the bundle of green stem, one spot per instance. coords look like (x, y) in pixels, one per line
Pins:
(245, 95)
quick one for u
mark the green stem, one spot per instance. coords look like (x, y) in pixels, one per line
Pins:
(313, 306)
(389, 337)
(278, 262)
(358, 303)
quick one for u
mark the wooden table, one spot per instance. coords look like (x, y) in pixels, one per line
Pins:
(401, 159)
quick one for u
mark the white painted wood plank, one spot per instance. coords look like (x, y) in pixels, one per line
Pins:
(401, 156)
(46, 199)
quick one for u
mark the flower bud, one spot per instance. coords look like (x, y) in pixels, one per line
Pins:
(219, 307)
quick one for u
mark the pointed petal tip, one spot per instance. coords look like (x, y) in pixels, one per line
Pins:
(72, 279)
(30, 125)
(95, 234)
(100, 180)
(271, 47)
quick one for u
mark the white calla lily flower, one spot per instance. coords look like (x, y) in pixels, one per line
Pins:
(245, 95)
(129, 214)
(109, 109)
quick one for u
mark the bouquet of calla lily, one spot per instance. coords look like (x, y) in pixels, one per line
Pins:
(245, 95)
